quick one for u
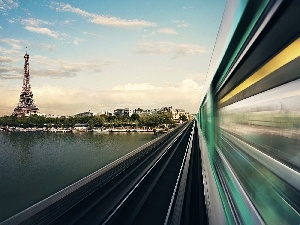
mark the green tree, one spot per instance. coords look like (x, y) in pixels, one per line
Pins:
(135, 117)
(183, 117)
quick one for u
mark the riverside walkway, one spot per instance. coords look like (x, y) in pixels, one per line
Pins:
(158, 183)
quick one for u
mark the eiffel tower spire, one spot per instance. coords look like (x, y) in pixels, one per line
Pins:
(26, 104)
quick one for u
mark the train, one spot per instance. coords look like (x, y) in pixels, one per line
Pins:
(249, 115)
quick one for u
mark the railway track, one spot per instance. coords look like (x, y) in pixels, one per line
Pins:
(148, 202)
(141, 194)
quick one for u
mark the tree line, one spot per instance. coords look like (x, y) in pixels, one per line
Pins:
(93, 121)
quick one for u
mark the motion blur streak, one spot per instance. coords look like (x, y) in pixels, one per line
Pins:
(288, 54)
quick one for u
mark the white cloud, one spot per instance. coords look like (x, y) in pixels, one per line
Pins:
(9, 100)
(10, 72)
(181, 23)
(42, 30)
(68, 8)
(54, 68)
(5, 59)
(105, 20)
(117, 22)
(134, 87)
(37, 26)
(19, 45)
(188, 7)
(33, 22)
(6, 5)
(68, 22)
(15, 44)
(92, 34)
(198, 77)
(74, 40)
(42, 46)
(177, 50)
(189, 85)
(57, 68)
(184, 95)
(9, 51)
(77, 40)
(167, 31)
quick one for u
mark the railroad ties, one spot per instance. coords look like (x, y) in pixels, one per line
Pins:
(158, 184)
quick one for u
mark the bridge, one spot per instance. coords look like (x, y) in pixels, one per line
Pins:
(238, 162)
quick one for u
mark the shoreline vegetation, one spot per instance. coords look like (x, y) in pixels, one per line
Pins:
(158, 123)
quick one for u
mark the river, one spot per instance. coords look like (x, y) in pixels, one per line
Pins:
(36, 165)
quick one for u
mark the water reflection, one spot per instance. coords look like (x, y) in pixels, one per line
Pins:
(35, 165)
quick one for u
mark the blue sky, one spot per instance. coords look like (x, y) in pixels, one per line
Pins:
(101, 55)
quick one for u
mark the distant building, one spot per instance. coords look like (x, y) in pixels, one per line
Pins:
(52, 115)
(177, 113)
(123, 112)
(84, 114)
(138, 111)
(166, 109)
(106, 113)
(41, 114)
(27, 114)
(146, 112)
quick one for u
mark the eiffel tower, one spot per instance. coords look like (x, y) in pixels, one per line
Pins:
(26, 104)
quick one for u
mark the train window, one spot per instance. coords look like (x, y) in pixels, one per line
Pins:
(260, 137)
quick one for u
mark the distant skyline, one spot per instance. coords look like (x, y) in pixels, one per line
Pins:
(102, 55)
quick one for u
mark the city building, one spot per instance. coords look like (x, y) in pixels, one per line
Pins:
(146, 112)
(167, 109)
(177, 113)
(89, 113)
(106, 113)
(123, 112)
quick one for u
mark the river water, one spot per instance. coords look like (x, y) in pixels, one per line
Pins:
(36, 165)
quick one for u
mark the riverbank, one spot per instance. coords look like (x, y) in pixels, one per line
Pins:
(74, 130)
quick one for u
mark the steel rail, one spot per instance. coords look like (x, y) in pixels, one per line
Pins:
(163, 161)
(142, 201)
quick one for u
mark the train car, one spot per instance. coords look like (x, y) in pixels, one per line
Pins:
(249, 116)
